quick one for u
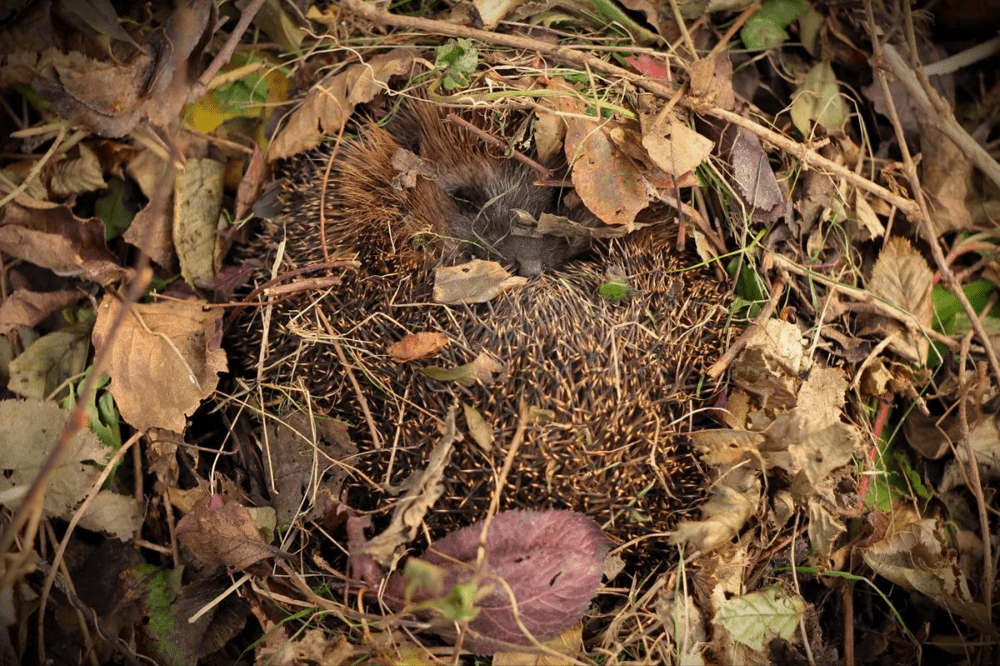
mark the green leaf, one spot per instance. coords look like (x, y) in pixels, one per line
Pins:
(114, 210)
(616, 290)
(818, 100)
(457, 61)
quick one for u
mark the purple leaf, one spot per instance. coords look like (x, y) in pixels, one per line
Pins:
(551, 561)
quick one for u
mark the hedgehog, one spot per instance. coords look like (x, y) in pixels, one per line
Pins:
(614, 379)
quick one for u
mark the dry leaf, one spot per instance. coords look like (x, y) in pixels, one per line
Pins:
(902, 277)
(197, 208)
(49, 235)
(29, 430)
(220, 532)
(331, 102)
(477, 281)
(607, 182)
(914, 557)
(416, 346)
(50, 361)
(75, 176)
(166, 359)
(30, 308)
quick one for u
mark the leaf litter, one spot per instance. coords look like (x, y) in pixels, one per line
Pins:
(854, 439)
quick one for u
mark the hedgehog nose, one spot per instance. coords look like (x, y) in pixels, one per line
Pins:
(530, 267)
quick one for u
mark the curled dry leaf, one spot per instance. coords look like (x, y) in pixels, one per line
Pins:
(223, 532)
(550, 565)
(49, 235)
(331, 102)
(477, 281)
(166, 359)
(425, 488)
(914, 556)
(417, 346)
(30, 308)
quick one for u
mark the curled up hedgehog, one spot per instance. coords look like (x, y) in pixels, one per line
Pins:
(616, 380)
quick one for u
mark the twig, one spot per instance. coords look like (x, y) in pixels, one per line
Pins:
(493, 141)
(975, 481)
(584, 60)
(943, 121)
(222, 57)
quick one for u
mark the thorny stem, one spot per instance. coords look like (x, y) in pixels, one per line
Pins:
(947, 277)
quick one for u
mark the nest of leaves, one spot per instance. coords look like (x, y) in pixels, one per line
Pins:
(853, 449)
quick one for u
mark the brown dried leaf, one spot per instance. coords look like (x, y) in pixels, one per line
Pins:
(197, 207)
(114, 514)
(477, 281)
(607, 182)
(416, 346)
(915, 557)
(672, 145)
(166, 359)
(722, 517)
(295, 458)
(946, 176)
(425, 488)
(252, 184)
(29, 308)
(49, 235)
(111, 97)
(331, 102)
(221, 532)
(712, 80)
(902, 277)
(82, 174)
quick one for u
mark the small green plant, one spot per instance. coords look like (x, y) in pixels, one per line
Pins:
(456, 60)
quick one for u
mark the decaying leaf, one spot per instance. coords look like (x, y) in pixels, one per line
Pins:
(197, 209)
(425, 488)
(49, 235)
(295, 458)
(607, 182)
(818, 100)
(902, 277)
(169, 604)
(29, 430)
(29, 308)
(221, 532)
(914, 556)
(416, 346)
(166, 359)
(331, 102)
(547, 562)
(50, 361)
(477, 281)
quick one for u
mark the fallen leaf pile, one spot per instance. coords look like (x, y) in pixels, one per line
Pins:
(831, 163)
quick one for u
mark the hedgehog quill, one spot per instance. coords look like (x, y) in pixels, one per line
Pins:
(611, 384)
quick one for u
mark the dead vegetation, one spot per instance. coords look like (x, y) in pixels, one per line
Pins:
(829, 167)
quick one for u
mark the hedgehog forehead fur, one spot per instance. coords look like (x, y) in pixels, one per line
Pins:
(616, 381)
(463, 194)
